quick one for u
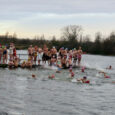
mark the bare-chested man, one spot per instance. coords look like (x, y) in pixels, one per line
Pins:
(45, 54)
(75, 54)
(35, 54)
(79, 56)
(30, 53)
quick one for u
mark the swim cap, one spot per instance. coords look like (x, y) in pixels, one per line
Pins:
(84, 77)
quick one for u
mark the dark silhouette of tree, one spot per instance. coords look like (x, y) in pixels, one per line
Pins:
(71, 38)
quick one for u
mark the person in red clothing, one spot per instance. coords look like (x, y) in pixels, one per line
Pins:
(105, 75)
(71, 72)
(52, 76)
(84, 80)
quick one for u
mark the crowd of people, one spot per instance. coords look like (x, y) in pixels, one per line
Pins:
(10, 52)
(62, 59)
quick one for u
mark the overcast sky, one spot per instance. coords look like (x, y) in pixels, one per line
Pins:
(36, 17)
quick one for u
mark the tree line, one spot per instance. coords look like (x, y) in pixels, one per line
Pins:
(72, 37)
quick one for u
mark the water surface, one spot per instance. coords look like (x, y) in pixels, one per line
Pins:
(22, 95)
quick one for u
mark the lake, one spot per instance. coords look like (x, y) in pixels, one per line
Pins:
(20, 94)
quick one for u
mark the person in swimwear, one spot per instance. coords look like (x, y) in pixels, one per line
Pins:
(30, 53)
(53, 56)
(11, 63)
(52, 76)
(70, 62)
(83, 80)
(71, 72)
(75, 54)
(58, 64)
(83, 69)
(29, 63)
(35, 52)
(11, 51)
(64, 61)
(105, 75)
(61, 52)
(49, 54)
(40, 54)
(16, 62)
(23, 65)
(33, 76)
(14, 52)
(79, 55)
(45, 54)
(110, 67)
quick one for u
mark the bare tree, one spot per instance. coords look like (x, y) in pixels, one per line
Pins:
(72, 32)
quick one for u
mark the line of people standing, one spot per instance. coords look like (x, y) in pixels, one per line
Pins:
(62, 58)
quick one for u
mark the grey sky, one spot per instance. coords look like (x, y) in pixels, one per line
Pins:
(58, 6)
(45, 15)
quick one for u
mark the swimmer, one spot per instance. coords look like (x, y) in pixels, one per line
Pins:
(84, 80)
(110, 67)
(105, 76)
(83, 69)
(71, 72)
(33, 76)
(51, 77)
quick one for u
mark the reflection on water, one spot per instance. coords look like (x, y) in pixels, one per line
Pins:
(22, 95)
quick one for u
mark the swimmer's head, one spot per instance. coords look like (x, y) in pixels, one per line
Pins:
(33, 76)
(84, 77)
(110, 67)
